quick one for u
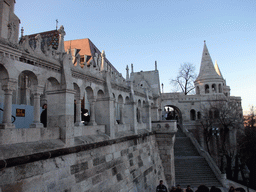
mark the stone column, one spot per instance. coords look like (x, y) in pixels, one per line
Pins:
(92, 107)
(36, 123)
(8, 87)
(78, 112)
(121, 113)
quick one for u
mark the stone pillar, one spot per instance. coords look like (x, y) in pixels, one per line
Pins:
(165, 143)
(78, 112)
(60, 113)
(92, 112)
(36, 123)
(121, 113)
(8, 87)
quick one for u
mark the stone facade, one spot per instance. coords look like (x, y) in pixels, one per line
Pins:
(127, 145)
(132, 164)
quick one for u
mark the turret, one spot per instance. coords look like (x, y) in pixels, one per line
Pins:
(209, 80)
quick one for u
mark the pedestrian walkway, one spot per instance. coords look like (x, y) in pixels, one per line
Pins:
(191, 168)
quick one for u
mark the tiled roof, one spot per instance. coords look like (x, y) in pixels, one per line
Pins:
(50, 37)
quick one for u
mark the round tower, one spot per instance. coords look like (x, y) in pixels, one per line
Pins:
(210, 80)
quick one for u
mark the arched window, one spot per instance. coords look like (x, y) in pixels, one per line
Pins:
(214, 88)
(197, 90)
(192, 115)
(207, 89)
(210, 114)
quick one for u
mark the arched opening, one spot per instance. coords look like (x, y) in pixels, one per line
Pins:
(207, 89)
(214, 90)
(27, 81)
(171, 112)
(192, 115)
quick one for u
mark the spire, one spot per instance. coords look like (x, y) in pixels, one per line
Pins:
(207, 70)
(217, 69)
(127, 72)
(155, 65)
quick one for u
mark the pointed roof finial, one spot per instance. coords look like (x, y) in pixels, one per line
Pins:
(127, 72)
(156, 65)
(131, 68)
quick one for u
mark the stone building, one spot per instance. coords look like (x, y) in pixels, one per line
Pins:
(126, 145)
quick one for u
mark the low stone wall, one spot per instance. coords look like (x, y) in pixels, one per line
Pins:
(126, 164)
(12, 136)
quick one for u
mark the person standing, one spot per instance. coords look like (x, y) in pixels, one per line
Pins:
(43, 117)
(189, 189)
(161, 187)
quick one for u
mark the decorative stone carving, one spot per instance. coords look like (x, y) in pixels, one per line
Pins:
(11, 31)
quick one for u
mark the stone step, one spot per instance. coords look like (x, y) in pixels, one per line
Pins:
(190, 167)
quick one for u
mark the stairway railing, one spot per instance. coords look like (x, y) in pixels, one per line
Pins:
(14, 118)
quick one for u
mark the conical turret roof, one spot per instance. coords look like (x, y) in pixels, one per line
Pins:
(207, 70)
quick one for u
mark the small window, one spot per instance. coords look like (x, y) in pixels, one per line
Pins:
(192, 115)
(207, 89)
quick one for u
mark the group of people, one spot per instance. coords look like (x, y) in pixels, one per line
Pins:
(202, 188)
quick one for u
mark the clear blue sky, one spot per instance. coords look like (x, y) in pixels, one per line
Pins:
(169, 31)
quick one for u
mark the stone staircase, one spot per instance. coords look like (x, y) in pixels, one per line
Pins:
(190, 167)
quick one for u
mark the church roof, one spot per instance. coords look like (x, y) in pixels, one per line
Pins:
(86, 48)
(49, 37)
(207, 70)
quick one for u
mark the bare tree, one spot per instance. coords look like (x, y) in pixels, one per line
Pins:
(185, 78)
(226, 115)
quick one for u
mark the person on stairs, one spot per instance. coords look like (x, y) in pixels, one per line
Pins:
(161, 187)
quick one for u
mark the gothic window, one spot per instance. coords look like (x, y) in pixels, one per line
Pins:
(207, 89)
(192, 115)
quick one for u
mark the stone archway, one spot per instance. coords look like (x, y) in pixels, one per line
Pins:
(172, 112)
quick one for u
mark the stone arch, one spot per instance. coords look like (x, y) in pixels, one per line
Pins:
(52, 84)
(192, 115)
(206, 89)
(127, 100)
(89, 92)
(175, 115)
(100, 94)
(27, 82)
(214, 88)
(3, 75)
